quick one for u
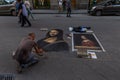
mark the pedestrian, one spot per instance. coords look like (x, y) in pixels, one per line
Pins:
(23, 13)
(24, 55)
(68, 6)
(60, 5)
(42, 2)
(64, 5)
(29, 9)
(16, 4)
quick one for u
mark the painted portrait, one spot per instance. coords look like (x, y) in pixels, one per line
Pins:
(53, 41)
(86, 41)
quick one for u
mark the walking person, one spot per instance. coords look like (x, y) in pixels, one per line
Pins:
(29, 9)
(23, 12)
(64, 5)
(60, 6)
(16, 4)
(68, 6)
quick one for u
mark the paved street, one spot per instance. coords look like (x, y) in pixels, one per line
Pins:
(63, 65)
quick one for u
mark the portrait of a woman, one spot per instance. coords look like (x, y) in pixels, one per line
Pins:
(53, 41)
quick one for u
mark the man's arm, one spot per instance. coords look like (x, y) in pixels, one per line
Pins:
(20, 11)
(38, 50)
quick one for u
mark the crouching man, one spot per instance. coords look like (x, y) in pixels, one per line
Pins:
(23, 55)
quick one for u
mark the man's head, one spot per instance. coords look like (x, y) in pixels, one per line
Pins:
(32, 36)
(19, 0)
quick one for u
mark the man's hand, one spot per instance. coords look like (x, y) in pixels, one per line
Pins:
(20, 11)
(40, 52)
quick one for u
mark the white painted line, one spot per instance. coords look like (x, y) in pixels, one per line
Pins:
(99, 43)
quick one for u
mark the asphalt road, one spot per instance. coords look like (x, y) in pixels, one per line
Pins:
(63, 65)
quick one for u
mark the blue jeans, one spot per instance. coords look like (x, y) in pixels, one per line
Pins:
(30, 61)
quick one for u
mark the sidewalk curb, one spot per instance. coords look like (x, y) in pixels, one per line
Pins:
(56, 12)
(59, 13)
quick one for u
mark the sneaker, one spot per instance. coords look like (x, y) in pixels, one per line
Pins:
(24, 65)
(19, 69)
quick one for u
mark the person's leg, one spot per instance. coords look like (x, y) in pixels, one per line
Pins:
(30, 61)
(70, 12)
(26, 19)
(30, 13)
(23, 20)
(19, 19)
(67, 13)
(59, 9)
(20, 65)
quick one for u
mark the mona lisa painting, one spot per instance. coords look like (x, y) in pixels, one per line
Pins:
(87, 41)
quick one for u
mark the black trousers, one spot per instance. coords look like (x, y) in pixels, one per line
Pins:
(24, 20)
(68, 12)
(20, 18)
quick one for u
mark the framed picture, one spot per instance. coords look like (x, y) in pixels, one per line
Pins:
(87, 41)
